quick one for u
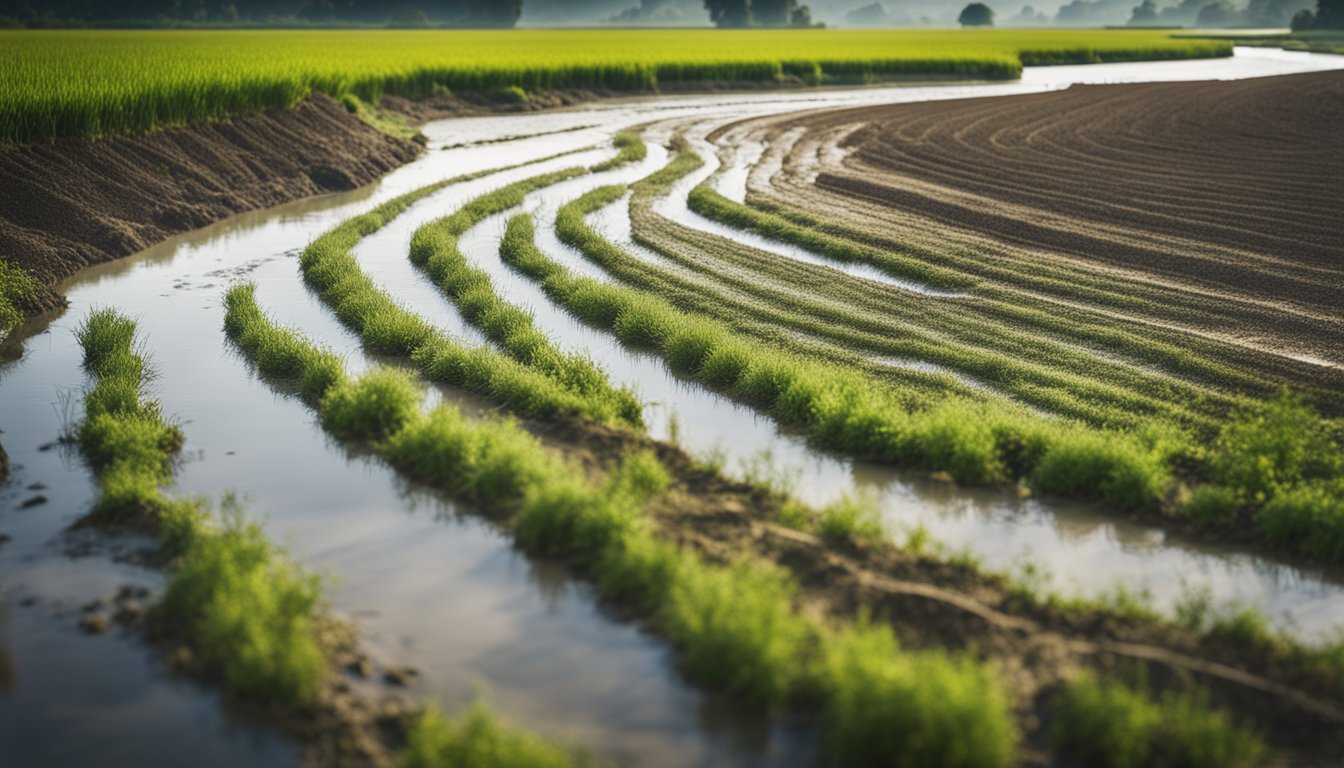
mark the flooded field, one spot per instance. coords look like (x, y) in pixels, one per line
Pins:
(432, 583)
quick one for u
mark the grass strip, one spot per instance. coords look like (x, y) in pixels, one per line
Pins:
(737, 625)
(385, 326)
(247, 611)
(1111, 725)
(434, 249)
(975, 441)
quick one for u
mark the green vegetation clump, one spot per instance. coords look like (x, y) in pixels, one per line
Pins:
(373, 407)
(123, 436)
(631, 150)
(478, 739)
(885, 707)
(242, 606)
(246, 608)
(92, 83)
(1111, 725)
(16, 285)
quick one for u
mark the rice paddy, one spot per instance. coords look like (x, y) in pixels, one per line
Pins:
(92, 83)
(533, 343)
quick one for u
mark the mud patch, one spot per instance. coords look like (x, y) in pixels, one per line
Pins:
(74, 203)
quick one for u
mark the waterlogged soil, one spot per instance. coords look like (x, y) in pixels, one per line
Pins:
(1186, 182)
(431, 584)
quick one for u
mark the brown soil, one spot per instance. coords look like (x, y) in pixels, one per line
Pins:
(934, 603)
(74, 203)
(1223, 187)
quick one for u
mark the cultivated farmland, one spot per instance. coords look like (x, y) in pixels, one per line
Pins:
(55, 84)
(942, 423)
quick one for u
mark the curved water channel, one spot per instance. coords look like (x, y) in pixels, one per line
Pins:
(430, 584)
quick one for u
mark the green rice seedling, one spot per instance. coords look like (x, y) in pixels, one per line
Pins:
(373, 407)
(1308, 518)
(245, 608)
(852, 519)
(279, 353)
(123, 436)
(1273, 447)
(91, 83)
(1211, 506)
(886, 707)
(492, 465)
(478, 739)
(737, 629)
(631, 150)
(105, 334)
(1111, 725)
(16, 288)
(1086, 464)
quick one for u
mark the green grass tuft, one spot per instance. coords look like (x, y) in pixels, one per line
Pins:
(1110, 725)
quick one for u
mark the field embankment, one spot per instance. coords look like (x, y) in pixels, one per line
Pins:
(78, 202)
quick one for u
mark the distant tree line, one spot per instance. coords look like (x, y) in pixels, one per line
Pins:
(758, 13)
(461, 13)
(1329, 15)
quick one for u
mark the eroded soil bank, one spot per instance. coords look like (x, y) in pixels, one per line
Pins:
(70, 204)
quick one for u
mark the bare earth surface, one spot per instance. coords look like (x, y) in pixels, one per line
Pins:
(70, 204)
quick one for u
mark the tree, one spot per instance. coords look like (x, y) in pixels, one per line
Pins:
(801, 18)
(1215, 14)
(729, 13)
(1145, 14)
(976, 15)
(1302, 21)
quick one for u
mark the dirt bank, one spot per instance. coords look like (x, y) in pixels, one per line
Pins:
(74, 203)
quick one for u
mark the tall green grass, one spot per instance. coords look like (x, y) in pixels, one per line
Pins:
(738, 627)
(92, 83)
(246, 610)
(1111, 725)
(434, 248)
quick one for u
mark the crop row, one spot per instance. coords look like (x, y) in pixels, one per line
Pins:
(738, 625)
(92, 83)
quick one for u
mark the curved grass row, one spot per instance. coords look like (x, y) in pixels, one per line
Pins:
(1011, 298)
(1277, 468)
(386, 327)
(737, 626)
(92, 83)
(251, 615)
(1031, 354)
(245, 609)
(434, 248)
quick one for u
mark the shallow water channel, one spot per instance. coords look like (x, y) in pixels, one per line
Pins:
(429, 583)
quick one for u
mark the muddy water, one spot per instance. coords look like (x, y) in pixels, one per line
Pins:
(429, 583)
